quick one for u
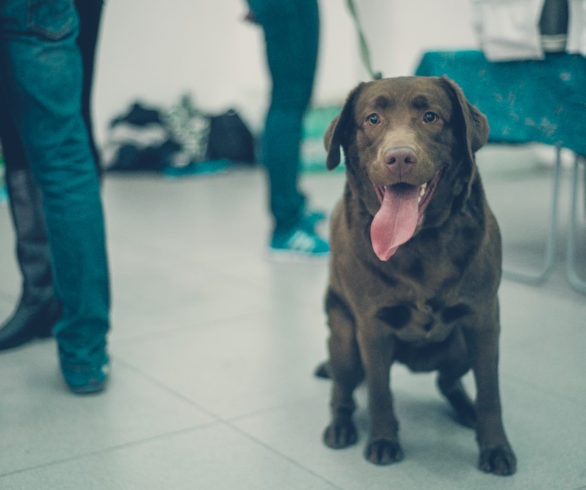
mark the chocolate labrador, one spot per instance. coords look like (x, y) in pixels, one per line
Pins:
(415, 262)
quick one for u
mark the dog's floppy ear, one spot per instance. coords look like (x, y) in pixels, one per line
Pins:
(332, 143)
(473, 127)
(338, 129)
(474, 122)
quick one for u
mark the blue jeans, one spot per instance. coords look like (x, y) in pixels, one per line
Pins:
(41, 84)
(291, 31)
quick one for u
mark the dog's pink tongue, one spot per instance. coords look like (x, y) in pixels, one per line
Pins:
(395, 222)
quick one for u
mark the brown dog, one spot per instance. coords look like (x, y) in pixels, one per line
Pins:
(415, 261)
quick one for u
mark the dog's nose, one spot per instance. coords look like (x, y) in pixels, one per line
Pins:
(400, 155)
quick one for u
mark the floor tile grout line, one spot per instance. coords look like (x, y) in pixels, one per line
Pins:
(166, 388)
(280, 454)
(145, 337)
(207, 411)
(215, 420)
(272, 408)
(227, 423)
(203, 409)
(115, 447)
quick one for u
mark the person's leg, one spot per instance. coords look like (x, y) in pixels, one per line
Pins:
(42, 78)
(291, 33)
(90, 15)
(37, 309)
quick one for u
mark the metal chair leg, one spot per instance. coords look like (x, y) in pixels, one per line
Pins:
(543, 274)
(571, 266)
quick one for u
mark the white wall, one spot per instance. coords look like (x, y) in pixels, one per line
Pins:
(400, 31)
(155, 50)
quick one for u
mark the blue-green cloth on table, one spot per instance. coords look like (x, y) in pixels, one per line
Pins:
(540, 101)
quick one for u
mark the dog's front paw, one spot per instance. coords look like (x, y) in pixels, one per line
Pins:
(383, 452)
(499, 460)
(340, 434)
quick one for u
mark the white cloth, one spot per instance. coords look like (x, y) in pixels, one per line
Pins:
(509, 29)
(577, 27)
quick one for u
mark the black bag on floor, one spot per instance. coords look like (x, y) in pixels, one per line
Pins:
(230, 139)
(153, 139)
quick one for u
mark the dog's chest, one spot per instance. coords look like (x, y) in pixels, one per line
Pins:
(420, 322)
(416, 298)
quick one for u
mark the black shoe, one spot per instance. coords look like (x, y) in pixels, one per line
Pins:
(29, 321)
(323, 370)
(38, 309)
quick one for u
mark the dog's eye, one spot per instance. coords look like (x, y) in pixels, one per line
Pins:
(373, 119)
(430, 117)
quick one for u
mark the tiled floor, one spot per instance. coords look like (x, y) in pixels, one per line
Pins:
(213, 349)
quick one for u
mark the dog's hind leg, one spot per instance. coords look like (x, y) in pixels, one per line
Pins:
(449, 381)
(453, 389)
(345, 368)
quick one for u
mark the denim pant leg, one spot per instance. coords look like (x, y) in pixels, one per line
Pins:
(90, 15)
(41, 77)
(292, 34)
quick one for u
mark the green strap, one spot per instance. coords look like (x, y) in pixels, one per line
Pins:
(364, 52)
